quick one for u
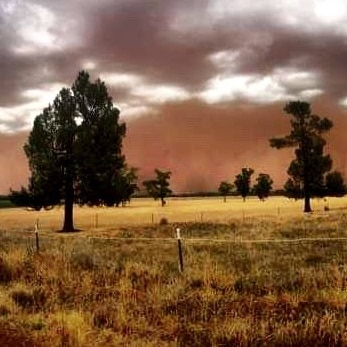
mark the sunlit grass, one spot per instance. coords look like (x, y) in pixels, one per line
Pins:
(253, 275)
(148, 211)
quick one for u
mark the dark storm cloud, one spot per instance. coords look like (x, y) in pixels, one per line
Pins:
(21, 70)
(136, 37)
(324, 54)
(168, 43)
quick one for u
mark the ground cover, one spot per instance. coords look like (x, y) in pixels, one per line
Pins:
(259, 277)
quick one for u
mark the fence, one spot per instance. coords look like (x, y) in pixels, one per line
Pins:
(276, 256)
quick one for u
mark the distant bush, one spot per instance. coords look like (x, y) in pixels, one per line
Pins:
(5, 203)
(163, 221)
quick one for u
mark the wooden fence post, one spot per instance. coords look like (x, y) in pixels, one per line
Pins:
(37, 235)
(179, 244)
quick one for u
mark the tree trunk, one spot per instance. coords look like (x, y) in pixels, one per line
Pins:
(225, 198)
(307, 207)
(163, 202)
(68, 204)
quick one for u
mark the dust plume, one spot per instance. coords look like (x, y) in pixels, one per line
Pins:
(201, 144)
(14, 168)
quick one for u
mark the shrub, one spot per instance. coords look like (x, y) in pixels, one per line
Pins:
(4, 310)
(103, 316)
(163, 221)
(29, 300)
(6, 273)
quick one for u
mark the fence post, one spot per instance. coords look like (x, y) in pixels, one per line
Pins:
(37, 235)
(179, 244)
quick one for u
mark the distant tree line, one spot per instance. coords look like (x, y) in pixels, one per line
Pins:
(242, 185)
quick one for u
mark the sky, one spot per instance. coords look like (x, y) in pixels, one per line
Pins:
(201, 84)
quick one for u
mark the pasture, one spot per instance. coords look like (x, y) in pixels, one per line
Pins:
(255, 274)
(147, 211)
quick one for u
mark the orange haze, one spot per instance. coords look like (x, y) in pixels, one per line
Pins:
(201, 144)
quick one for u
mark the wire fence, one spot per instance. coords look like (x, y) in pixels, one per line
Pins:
(237, 254)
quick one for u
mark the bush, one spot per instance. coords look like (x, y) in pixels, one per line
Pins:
(4, 310)
(6, 273)
(103, 316)
(29, 300)
(163, 221)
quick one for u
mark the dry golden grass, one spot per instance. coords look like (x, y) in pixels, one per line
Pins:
(148, 211)
(118, 284)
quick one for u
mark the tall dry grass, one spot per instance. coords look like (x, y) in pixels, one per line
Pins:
(119, 285)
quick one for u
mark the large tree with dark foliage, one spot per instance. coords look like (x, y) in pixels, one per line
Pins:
(263, 186)
(75, 149)
(308, 168)
(159, 187)
(243, 182)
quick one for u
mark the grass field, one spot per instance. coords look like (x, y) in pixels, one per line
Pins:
(148, 211)
(255, 274)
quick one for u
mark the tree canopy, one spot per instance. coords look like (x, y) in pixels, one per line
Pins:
(75, 149)
(225, 189)
(263, 186)
(243, 182)
(308, 168)
(159, 187)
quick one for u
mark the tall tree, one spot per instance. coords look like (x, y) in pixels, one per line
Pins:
(159, 188)
(225, 189)
(99, 148)
(75, 148)
(307, 170)
(263, 186)
(243, 182)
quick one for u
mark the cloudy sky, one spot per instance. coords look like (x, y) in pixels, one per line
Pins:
(201, 84)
